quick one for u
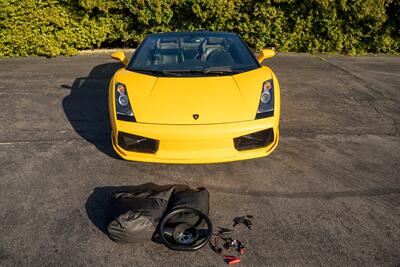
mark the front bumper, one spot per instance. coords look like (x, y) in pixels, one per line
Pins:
(210, 143)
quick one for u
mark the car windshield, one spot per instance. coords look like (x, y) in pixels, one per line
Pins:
(193, 54)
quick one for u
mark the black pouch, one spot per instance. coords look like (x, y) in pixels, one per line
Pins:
(135, 214)
(197, 198)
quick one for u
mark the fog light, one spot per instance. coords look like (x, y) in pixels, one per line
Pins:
(137, 143)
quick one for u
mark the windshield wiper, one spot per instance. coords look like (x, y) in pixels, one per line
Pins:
(179, 72)
(211, 70)
(162, 72)
(219, 70)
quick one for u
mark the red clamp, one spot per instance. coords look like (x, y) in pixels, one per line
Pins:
(231, 259)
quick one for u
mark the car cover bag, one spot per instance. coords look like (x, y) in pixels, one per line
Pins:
(197, 198)
(134, 215)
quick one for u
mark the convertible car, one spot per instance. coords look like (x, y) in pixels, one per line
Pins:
(194, 97)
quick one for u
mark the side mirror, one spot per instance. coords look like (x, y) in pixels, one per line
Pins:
(264, 54)
(120, 55)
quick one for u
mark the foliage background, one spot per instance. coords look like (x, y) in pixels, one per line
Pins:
(54, 27)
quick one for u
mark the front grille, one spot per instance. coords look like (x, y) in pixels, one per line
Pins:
(254, 140)
(137, 143)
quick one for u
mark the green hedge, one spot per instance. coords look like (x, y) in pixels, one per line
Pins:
(54, 27)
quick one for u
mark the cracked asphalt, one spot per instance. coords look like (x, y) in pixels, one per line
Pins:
(329, 194)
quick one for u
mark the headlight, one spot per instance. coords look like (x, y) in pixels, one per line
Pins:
(122, 105)
(266, 105)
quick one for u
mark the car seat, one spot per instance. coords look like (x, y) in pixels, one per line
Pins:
(220, 58)
(167, 53)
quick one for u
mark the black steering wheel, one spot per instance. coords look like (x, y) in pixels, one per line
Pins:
(185, 229)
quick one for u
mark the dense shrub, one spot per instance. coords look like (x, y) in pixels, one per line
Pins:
(54, 27)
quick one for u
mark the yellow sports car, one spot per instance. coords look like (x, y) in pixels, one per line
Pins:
(194, 97)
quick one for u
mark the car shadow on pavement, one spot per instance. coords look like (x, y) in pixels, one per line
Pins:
(86, 107)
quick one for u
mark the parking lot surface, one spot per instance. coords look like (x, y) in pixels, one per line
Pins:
(329, 194)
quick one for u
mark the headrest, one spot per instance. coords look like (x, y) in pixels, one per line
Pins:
(215, 41)
(167, 44)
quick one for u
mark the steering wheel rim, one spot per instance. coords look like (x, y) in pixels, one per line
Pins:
(176, 211)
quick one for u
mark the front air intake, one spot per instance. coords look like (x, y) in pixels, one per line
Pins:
(254, 140)
(137, 143)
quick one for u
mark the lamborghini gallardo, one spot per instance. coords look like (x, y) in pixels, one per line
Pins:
(194, 97)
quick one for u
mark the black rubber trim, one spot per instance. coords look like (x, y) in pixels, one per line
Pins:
(264, 115)
(125, 118)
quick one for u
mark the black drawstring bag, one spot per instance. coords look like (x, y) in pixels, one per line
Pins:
(135, 213)
(189, 198)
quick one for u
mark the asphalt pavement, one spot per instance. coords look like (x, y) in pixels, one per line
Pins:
(329, 194)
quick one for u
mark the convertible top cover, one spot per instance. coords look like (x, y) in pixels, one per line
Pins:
(134, 214)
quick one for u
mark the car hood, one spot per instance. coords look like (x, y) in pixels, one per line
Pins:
(180, 100)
